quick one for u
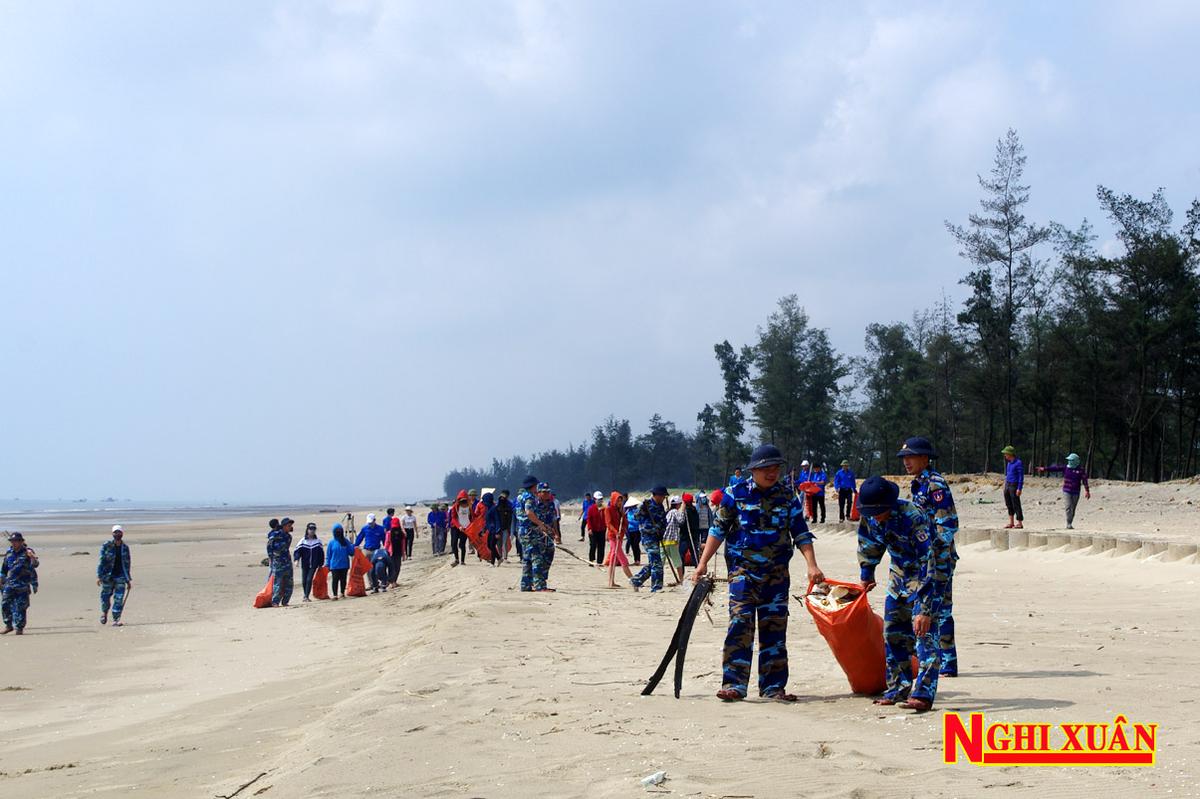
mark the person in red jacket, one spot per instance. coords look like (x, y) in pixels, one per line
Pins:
(597, 527)
(616, 525)
(395, 545)
(460, 519)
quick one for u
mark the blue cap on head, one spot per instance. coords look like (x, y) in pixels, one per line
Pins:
(529, 482)
(917, 446)
(543, 487)
(765, 455)
(659, 491)
(877, 496)
(16, 537)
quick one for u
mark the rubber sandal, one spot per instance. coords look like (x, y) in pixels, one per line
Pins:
(729, 695)
(883, 700)
(919, 705)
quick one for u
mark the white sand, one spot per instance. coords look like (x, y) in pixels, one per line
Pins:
(458, 685)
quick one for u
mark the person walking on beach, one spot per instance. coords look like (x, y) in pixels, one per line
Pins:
(917, 578)
(633, 541)
(704, 520)
(1014, 481)
(279, 553)
(597, 526)
(846, 486)
(338, 553)
(310, 554)
(676, 521)
(652, 522)
(583, 512)
(460, 520)
(18, 578)
(616, 524)
(437, 528)
(387, 520)
(536, 533)
(114, 577)
(546, 510)
(504, 511)
(931, 493)
(371, 537)
(820, 478)
(408, 522)
(1073, 479)
(761, 522)
(395, 545)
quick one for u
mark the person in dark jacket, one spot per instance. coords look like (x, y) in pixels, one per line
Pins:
(504, 510)
(279, 544)
(310, 554)
(338, 553)
(491, 525)
(381, 569)
(113, 575)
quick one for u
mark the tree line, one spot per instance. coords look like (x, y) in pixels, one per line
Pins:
(1061, 346)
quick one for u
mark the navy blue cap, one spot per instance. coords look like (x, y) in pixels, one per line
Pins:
(659, 491)
(917, 446)
(765, 455)
(529, 482)
(16, 537)
(877, 496)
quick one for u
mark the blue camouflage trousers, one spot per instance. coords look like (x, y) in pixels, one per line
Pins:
(113, 591)
(654, 565)
(281, 591)
(899, 644)
(757, 597)
(536, 553)
(13, 605)
(944, 624)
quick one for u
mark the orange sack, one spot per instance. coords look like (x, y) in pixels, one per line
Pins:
(359, 566)
(263, 600)
(320, 586)
(855, 634)
(854, 510)
(478, 538)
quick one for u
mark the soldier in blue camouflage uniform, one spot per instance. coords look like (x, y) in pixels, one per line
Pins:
(931, 492)
(761, 521)
(17, 578)
(543, 535)
(279, 550)
(920, 569)
(527, 529)
(652, 522)
(113, 576)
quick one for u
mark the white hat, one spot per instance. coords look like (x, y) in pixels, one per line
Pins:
(597, 495)
(632, 502)
(675, 500)
(804, 463)
(370, 518)
(117, 528)
(408, 507)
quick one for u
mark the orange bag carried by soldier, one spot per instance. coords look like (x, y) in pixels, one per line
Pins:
(263, 600)
(854, 516)
(854, 631)
(320, 584)
(359, 567)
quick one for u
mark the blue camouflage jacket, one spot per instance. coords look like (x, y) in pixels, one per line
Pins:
(279, 549)
(761, 528)
(652, 520)
(18, 571)
(108, 560)
(920, 559)
(524, 502)
(932, 494)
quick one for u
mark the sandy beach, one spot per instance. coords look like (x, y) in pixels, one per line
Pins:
(458, 685)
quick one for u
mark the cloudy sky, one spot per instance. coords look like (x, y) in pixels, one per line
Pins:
(302, 251)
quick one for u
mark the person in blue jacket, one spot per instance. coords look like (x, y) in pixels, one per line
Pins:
(1014, 483)
(845, 483)
(338, 553)
(491, 525)
(821, 478)
(371, 538)
(381, 570)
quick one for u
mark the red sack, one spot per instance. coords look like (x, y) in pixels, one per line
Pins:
(359, 567)
(854, 511)
(263, 600)
(478, 538)
(855, 634)
(320, 586)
